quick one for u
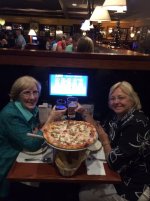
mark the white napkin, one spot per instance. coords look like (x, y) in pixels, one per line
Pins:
(99, 155)
(22, 156)
(94, 163)
(95, 167)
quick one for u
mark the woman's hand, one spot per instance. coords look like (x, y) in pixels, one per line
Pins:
(56, 114)
(85, 114)
(80, 109)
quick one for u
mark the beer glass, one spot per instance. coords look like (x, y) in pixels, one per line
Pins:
(72, 103)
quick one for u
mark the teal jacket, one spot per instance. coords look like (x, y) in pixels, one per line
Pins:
(14, 125)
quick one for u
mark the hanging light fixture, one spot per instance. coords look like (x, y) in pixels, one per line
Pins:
(91, 26)
(31, 34)
(100, 14)
(120, 6)
(85, 25)
(2, 22)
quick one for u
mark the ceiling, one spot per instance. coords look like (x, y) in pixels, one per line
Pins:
(136, 9)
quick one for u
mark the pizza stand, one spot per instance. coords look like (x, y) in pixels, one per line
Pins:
(68, 160)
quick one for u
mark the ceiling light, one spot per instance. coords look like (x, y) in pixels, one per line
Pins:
(2, 22)
(91, 26)
(74, 4)
(117, 5)
(132, 35)
(59, 32)
(85, 25)
(100, 14)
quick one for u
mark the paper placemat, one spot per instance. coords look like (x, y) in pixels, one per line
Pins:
(37, 158)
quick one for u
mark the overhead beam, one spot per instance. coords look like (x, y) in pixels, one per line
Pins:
(63, 7)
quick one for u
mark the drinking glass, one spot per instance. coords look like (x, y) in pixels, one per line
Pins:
(89, 108)
(60, 104)
(44, 112)
(72, 103)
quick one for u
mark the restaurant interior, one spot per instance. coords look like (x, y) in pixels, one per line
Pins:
(123, 53)
(47, 17)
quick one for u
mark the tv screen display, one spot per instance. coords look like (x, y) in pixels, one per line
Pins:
(34, 38)
(68, 85)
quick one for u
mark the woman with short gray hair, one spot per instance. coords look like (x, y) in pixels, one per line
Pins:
(17, 118)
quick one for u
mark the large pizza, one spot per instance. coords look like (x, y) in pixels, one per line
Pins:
(70, 134)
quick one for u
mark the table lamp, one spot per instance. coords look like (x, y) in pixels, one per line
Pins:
(31, 34)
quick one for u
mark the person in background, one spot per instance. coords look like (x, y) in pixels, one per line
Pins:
(17, 118)
(20, 42)
(48, 43)
(54, 43)
(52, 40)
(3, 41)
(126, 143)
(73, 47)
(85, 44)
(68, 40)
(61, 45)
(11, 40)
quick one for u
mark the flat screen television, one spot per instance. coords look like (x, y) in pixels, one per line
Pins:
(68, 85)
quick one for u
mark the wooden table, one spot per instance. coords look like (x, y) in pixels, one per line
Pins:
(43, 172)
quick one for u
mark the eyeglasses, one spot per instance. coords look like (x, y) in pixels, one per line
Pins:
(28, 93)
(119, 98)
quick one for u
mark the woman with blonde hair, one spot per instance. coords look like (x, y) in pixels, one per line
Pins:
(126, 143)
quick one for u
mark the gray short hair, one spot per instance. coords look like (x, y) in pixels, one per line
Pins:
(85, 44)
(128, 89)
(21, 84)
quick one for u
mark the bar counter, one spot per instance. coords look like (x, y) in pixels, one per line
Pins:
(121, 60)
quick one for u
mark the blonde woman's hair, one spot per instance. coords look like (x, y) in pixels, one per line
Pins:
(21, 84)
(128, 89)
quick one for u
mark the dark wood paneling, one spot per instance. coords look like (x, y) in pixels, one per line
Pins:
(121, 60)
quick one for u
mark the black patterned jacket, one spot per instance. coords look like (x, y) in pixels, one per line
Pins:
(130, 155)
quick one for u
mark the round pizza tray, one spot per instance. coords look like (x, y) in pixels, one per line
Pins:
(63, 149)
(38, 152)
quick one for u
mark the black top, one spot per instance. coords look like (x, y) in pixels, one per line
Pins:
(130, 155)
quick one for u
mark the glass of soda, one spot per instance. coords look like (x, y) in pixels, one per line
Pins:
(60, 104)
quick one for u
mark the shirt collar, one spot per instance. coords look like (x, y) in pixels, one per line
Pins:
(26, 113)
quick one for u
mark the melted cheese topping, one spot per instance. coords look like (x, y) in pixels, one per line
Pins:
(71, 133)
